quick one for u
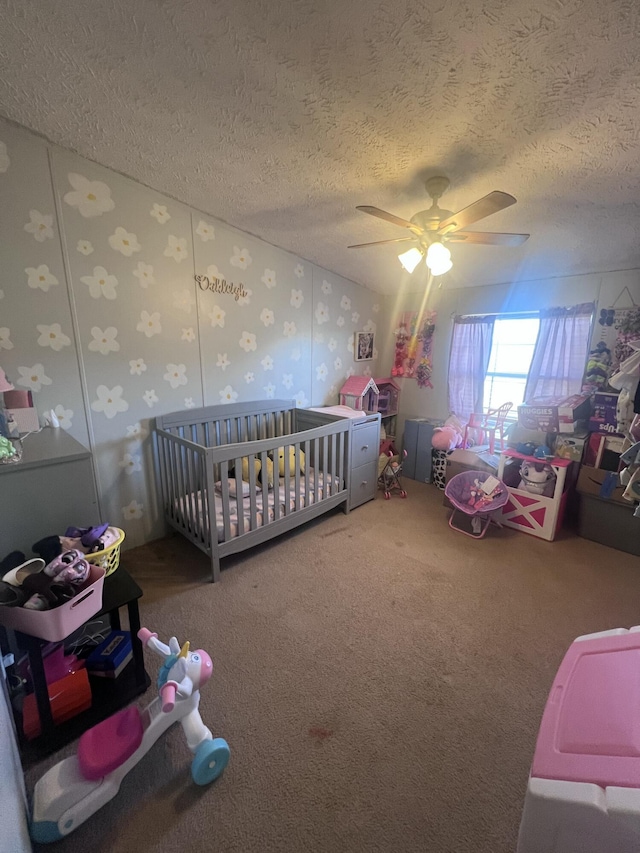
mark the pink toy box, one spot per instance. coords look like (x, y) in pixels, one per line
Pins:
(583, 794)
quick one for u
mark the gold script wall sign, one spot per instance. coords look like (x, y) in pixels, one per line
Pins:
(220, 285)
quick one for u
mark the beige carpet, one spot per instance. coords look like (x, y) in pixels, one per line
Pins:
(379, 679)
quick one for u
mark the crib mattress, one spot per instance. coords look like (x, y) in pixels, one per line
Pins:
(194, 506)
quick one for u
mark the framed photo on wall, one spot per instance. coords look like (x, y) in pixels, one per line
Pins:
(363, 346)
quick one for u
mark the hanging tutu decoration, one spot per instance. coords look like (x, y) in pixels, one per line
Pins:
(414, 341)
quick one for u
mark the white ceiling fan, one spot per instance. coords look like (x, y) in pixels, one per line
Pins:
(433, 228)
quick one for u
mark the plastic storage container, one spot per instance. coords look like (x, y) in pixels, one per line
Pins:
(56, 624)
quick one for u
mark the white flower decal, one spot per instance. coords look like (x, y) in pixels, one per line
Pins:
(5, 160)
(217, 315)
(267, 363)
(176, 248)
(222, 362)
(367, 371)
(150, 398)
(287, 380)
(228, 395)
(131, 463)
(84, 247)
(214, 272)
(205, 231)
(345, 303)
(176, 375)
(299, 271)
(92, 198)
(340, 321)
(318, 338)
(337, 364)
(160, 213)
(40, 277)
(322, 372)
(144, 273)
(350, 372)
(296, 298)
(52, 336)
(134, 510)
(267, 317)
(269, 278)
(289, 329)
(101, 283)
(188, 335)
(137, 431)
(5, 342)
(296, 355)
(249, 377)
(248, 342)
(124, 242)
(333, 343)
(188, 403)
(375, 353)
(301, 400)
(270, 390)
(350, 344)
(184, 300)
(41, 225)
(326, 287)
(137, 366)
(246, 298)
(109, 401)
(240, 258)
(355, 317)
(104, 341)
(322, 313)
(64, 416)
(375, 308)
(33, 377)
(149, 324)
(370, 326)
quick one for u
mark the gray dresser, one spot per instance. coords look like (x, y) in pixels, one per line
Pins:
(364, 450)
(52, 487)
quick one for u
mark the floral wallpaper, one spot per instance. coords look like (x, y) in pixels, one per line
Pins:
(102, 318)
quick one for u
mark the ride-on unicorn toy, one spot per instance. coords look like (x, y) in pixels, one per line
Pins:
(68, 794)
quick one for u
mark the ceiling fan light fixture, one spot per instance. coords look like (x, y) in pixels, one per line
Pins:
(438, 259)
(411, 259)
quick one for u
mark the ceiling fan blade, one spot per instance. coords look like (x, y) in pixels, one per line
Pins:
(389, 217)
(381, 242)
(485, 206)
(487, 238)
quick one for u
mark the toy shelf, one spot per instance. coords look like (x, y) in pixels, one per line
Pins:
(108, 695)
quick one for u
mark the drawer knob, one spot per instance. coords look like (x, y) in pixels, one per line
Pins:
(365, 447)
(363, 483)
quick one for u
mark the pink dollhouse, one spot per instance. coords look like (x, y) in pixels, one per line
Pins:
(361, 393)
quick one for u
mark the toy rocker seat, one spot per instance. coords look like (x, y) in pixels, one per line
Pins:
(583, 794)
(465, 493)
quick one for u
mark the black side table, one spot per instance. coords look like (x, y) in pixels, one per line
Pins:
(108, 695)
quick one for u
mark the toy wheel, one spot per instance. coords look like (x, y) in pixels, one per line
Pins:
(387, 495)
(211, 757)
(403, 494)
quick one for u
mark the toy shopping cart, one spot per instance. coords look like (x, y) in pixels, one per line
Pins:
(389, 479)
(478, 495)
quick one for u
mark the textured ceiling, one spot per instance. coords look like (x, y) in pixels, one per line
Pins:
(280, 117)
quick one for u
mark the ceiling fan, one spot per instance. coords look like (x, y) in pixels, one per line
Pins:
(433, 228)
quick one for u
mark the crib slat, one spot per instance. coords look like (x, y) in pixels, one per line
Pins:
(224, 479)
(265, 488)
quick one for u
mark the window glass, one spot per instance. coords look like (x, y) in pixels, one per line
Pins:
(511, 353)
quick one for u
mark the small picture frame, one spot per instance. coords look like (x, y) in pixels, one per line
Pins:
(363, 346)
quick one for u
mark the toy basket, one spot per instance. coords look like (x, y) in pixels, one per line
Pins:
(109, 559)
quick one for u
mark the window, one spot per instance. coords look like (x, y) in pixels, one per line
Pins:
(512, 346)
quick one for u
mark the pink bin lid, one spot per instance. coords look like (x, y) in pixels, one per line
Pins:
(590, 730)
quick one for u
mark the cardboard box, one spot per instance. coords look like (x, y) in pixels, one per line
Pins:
(547, 413)
(604, 418)
(570, 446)
(605, 485)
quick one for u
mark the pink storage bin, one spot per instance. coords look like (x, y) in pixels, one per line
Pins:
(56, 624)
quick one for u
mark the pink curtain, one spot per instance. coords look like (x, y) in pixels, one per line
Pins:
(561, 350)
(468, 363)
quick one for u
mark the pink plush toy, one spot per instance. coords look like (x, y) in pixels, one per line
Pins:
(446, 438)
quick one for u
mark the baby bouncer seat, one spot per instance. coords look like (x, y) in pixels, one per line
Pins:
(476, 494)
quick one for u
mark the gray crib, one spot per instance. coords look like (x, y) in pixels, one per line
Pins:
(199, 455)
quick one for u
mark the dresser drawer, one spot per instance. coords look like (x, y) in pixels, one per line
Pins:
(365, 444)
(363, 484)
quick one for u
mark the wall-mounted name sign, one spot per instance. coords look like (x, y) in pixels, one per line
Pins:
(221, 285)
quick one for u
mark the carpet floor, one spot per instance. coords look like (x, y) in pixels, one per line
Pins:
(379, 678)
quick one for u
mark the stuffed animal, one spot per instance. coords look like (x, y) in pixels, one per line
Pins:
(257, 467)
(446, 438)
(537, 478)
(292, 460)
(598, 366)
